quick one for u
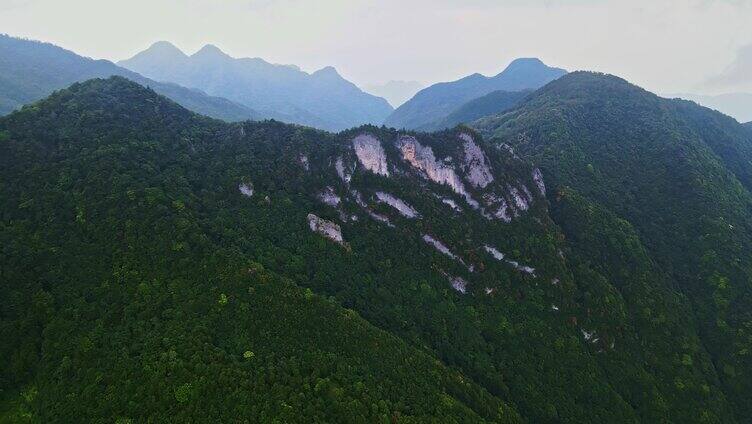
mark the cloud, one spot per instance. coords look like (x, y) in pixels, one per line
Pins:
(737, 75)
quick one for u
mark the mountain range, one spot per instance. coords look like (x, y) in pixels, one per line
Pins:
(580, 258)
(561, 248)
(436, 102)
(31, 70)
(322, 99)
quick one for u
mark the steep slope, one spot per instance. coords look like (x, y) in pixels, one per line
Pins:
(31, 70)
(439, 100)
(322, 99)
(159, 264)
(493, 103)
(678, 173)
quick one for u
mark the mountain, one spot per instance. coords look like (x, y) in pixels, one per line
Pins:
(736, 105)
(322, 99)
(31, 70)
(162, 266)
(439, 100)
(679, 174)
(491, 104)
(395, 92)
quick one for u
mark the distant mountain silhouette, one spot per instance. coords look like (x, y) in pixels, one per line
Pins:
(321, 99)
(32, 70)
(491, 104)
(736, 105)
(395, 92)
(439, 100)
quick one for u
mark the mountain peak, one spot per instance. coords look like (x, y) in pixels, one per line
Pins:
(162, 50)
(528, 64)
(210, 51)
(329, 71)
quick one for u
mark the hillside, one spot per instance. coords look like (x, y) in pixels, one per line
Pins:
(395, 92)
(160, 264)
(434, 103)
(493, 103)
(322, 99)
(31, 70)
(678, 173)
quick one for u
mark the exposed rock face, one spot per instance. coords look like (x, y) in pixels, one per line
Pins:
(246, 189)
(439, 246)
(359, 201)
(370, 154)
(500, 257)
(477, 171)
(459, 284)
(344, 175)
(422, 158)
(538, 179)
(494, 252)
(326, 228)
(403, 208)
(329, 197)
(451, 204)
(520, 202)
(303, 160)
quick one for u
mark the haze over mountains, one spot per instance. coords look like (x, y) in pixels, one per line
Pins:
(439, 100)
(31, 70)
(395, 92)
(322, 99)
(562, 248)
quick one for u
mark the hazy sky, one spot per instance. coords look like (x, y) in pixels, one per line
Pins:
(662, 45)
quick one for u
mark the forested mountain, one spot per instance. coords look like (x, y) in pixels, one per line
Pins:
(158, 265)
(680, 175)
(31, 70)
(491, 104)
(322, 99)
(434, 103)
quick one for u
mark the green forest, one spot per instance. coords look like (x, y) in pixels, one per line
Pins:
(138, 283)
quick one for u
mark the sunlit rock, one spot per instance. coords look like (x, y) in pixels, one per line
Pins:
(303, 160)
(422, 158)
(476, 167)
(246, 189)
(439, 246)
(459, 284)
(342, 171)
(329, 197)
(326, 228)
(538, 179)
(403, 208)
(370, 154)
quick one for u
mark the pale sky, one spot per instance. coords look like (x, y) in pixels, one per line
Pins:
(666, 46)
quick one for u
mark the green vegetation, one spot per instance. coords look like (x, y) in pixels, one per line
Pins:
(492, 103)
(676, 174)
(139, 284)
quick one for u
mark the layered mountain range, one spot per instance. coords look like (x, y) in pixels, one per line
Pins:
(579, 258)
(322, 99)
(434, 104)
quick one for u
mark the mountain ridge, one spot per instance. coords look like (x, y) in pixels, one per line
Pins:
(33, 70)
(188, 225)
(323, 99)
(437, 101)
(643, 158)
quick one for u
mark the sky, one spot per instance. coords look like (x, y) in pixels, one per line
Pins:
(666, 46)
